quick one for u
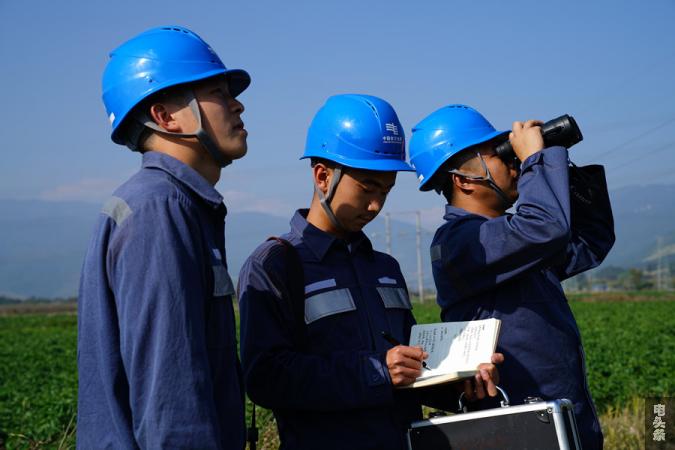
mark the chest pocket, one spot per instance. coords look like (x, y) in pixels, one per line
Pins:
(397, 306)
(332, 321)
(328, 303)
(394, 297)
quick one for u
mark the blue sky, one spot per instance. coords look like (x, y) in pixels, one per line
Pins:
(610, 64)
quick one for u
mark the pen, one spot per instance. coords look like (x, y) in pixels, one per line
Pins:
(389, 338)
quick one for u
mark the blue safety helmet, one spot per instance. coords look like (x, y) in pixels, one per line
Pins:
(154, 60)
(443, 134)
(358, 131)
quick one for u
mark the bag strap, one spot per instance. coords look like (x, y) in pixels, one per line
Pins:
(296, 293)
(296, 290)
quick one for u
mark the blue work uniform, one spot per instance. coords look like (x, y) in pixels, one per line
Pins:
(510, 268)
(157, 358)
(333, 391)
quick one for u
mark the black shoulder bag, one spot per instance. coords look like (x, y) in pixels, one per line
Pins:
(588, 195)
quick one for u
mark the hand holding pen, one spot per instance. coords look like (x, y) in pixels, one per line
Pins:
(389, 338)
(403, 362)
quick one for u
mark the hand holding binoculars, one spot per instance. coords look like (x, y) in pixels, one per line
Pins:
(562, 131)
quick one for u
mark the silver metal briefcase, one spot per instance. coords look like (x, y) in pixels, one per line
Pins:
(545, 425)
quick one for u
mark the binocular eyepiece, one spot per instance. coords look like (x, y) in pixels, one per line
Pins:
(562, 131)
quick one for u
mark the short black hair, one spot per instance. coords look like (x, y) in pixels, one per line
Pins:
(441, 181)
(313, 161)
(456, 161)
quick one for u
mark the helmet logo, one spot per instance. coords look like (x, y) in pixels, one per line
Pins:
(111, 118)
(392, 127)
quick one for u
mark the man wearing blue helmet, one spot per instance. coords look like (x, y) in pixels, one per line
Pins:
(157, 359)
(489, 263)
(313, 309)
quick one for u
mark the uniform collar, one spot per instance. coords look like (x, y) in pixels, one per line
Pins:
(320, 242)
(452, 212)
(185, 174)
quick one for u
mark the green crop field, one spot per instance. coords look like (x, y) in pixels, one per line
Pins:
(630, 348)
(38, 380)
(630, 345)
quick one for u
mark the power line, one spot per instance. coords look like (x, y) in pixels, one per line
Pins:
(636, 138)
(622, 124)
(415, 211)
(642, 155)
(669, 172)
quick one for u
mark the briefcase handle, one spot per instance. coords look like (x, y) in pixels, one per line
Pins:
(503, 403)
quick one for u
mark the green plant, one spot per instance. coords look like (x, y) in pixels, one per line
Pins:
(630, 350)
(38, 380)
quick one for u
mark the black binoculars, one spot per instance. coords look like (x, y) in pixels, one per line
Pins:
(562, 131)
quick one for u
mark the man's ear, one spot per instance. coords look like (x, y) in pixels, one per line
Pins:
(164, 117)
(322, 176)
(463, 183)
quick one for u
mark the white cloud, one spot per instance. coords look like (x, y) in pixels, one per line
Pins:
(99, 189)
(238, 201)
(86, 189)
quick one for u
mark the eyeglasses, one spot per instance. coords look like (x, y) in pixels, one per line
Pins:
(512, 163)
(486, 177)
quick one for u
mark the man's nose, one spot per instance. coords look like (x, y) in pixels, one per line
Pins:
(237, 106)
(376, 205)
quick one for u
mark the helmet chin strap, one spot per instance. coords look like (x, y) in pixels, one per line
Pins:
(326, 199)
(202, 136)
(487, 177)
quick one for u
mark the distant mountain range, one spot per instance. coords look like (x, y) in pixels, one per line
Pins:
(42, 243)
(643, 215)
